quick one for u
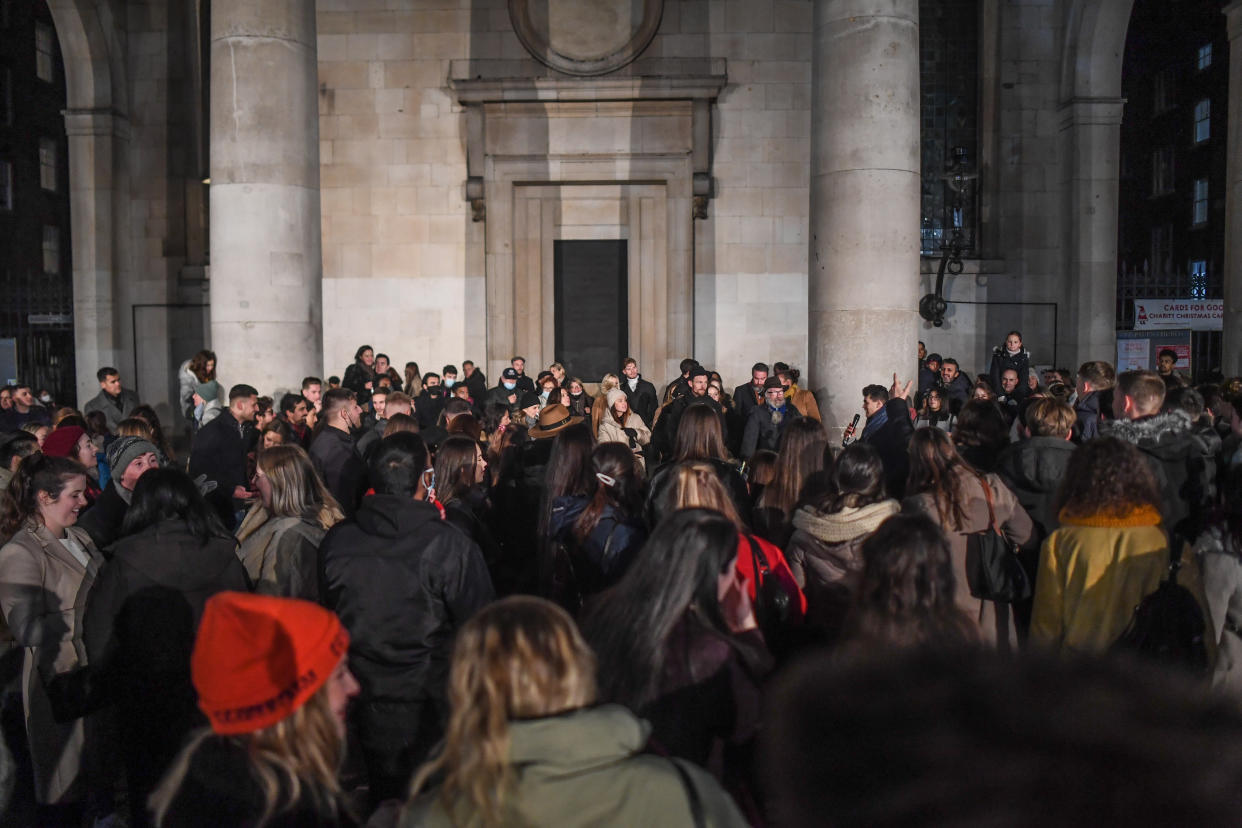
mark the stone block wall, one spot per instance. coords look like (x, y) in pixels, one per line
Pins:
(403, 262)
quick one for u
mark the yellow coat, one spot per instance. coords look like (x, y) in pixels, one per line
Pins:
(1093, 572)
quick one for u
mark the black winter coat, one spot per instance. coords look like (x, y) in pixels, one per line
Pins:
(403, 582)
(335, 457)
(1033, 470)
(600, 560)
(746, 400)
(219, 451)
(1183, 463)
(761, 432)
(1001, 360)
(356, 378)
(103, 520)
(642, 399)
(220, 788)
(476, 384)
(892, 440)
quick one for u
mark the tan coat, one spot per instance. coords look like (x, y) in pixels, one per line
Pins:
(995, 620)
(610, 431)
(43, 591)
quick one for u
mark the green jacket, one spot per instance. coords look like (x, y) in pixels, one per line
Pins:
(585, 768)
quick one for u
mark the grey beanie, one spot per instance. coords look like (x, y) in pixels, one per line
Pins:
(124, 450)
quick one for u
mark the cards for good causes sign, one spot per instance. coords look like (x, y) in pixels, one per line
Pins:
(1192, 314)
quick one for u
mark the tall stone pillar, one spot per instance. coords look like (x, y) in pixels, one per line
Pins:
(1232, 337)
(864, 247)
(266, 267)
(1091, 149)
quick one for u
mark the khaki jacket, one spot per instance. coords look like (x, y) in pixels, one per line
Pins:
(43, 590)
(586, 768)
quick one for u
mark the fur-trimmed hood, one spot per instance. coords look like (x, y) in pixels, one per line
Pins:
(847, 524)
(1158, 429)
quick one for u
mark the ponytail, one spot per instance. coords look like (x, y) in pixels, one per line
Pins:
(37, 473)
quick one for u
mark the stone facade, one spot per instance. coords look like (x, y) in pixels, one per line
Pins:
(406, 267)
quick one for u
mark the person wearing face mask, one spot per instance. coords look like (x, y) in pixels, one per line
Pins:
(24, 410)
(431, 401)
(450, 380)
(334, 450)
(506, 393)
(404, 581)
(549, 389)
(46, 571)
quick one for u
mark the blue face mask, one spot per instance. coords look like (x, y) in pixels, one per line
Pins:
(449, 382)
(510, 385)
(544, 395)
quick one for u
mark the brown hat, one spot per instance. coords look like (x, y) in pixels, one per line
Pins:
(553, 419)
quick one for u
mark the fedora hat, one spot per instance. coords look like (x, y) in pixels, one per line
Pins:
(553, 419)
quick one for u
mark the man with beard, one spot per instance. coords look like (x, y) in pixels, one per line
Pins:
(664, 435)
(749, 396)
(334, 453)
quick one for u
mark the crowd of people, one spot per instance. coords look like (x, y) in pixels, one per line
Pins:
(530, 604)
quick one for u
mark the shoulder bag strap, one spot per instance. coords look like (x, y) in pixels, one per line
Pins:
(692, 794)
(760, 561)
(987, 494)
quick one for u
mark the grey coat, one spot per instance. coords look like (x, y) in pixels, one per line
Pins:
(1221, 559)
(102, 402)
(43, 590)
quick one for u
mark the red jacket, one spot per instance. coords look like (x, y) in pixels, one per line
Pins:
(777, 567)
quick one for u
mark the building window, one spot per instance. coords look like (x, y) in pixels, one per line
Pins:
(45, 63)
(1205, 57)
(6, 185)
(1162, 171)
(1198, 279)
(1199, 213)
(1203, 120)
(1162, 92)
(1161, 247)
(51, 249)
(47, 164)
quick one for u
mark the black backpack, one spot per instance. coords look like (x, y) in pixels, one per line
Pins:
(1167, 626)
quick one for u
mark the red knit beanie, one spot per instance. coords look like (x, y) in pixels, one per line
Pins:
(258, 658)
(60, 442)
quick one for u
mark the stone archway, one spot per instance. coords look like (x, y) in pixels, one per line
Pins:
(1091, 109)
(97, 129)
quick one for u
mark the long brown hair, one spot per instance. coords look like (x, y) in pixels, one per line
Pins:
(697, 485)
(699, 435)
(1107, 476)
(937, 468)
(905, 597)
(456, 468)
(519, 658)
(198, 365)
(799, 455)
(615, 481)
(413, 380)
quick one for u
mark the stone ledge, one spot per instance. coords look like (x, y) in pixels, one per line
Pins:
(489, 81)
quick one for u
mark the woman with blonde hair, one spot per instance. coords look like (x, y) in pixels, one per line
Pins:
(526, 745)
(273, 681)
(280, 536)
(599, 407)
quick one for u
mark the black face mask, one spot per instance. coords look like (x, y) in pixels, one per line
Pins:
(435, 391)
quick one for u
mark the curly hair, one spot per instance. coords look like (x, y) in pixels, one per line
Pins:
(1107, 476)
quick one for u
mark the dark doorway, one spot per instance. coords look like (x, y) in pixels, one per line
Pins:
(592, 307)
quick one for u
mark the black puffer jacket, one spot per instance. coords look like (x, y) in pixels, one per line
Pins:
(1183, 463)
(103, 520)
(356, 378)
(1033, 469)
(1002, 360)
(403, 582)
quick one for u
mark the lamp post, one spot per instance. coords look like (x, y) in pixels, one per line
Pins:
(960, 180)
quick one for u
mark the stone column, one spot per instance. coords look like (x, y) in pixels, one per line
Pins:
(1232, 337)
(1091, 149)
(864, 246)
(266, 267)
(97, 147)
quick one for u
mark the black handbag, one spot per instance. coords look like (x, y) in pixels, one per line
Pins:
(1167, 625)
(993, 570)
(773, 606)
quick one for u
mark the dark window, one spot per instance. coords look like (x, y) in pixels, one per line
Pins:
(592, 307)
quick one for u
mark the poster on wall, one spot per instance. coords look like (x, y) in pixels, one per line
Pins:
(1137, 350)
(1177, 314)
